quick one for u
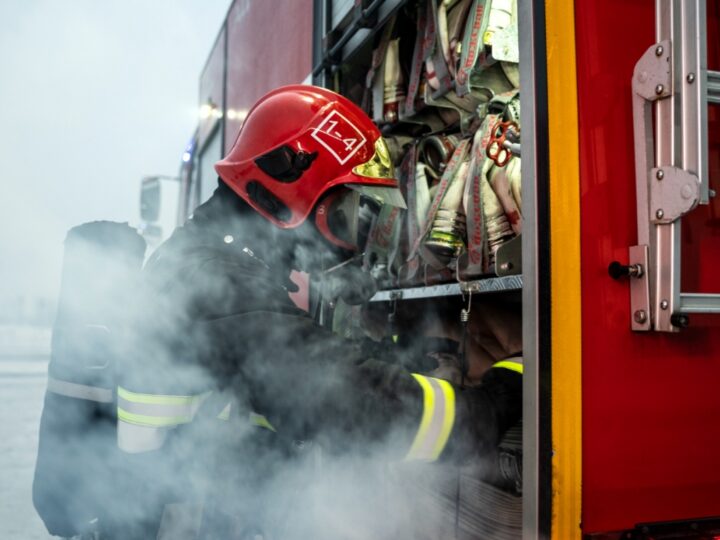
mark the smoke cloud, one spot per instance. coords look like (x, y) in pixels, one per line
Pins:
(93, 97)
(215, 319)
(81, 109)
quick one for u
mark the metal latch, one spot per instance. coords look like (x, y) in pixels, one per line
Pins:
(673, 193)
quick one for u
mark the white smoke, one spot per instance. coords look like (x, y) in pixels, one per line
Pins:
(92, 97)
(318, 476)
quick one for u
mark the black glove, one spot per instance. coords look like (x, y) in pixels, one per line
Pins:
(420, 355)
(448, 367)
(484, 413)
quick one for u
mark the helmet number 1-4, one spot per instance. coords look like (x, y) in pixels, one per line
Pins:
(339, 136)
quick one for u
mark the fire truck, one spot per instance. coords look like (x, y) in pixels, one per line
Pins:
(615, 263)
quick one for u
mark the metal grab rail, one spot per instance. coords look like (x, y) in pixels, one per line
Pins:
(672, 174)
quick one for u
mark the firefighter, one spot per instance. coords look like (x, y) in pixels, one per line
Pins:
(218, 337)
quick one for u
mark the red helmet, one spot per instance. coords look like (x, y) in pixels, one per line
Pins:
(298, 142)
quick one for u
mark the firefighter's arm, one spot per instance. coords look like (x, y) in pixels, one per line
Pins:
(486, 411)
(311, 384)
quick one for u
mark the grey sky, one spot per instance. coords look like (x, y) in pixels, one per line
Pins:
(94, 94)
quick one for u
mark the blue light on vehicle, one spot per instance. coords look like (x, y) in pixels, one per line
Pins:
(189, 147)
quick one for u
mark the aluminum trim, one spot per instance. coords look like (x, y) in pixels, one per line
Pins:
(640, 314)
(532, 81)
(699, 303)
(499, 284)
(650, 72)
(691, 84)
(667, 275)
(662, 238)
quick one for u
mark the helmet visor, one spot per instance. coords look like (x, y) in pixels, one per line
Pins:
(382, 195)
(380, 165)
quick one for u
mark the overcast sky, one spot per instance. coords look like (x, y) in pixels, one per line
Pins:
(93, 95)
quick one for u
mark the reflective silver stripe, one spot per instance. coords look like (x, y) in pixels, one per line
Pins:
(437, 419)
(157, 410)
(80, 391)
(425, 448)
(134, 439)
(186, 410)
(145, 419)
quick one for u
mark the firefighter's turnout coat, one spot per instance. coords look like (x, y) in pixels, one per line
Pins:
(224, 380)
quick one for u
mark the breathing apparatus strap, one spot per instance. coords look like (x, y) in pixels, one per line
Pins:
(79, 391)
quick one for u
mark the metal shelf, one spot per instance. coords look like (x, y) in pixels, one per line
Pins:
(480, 286)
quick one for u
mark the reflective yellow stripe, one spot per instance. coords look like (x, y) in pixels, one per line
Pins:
(509, 364)
(158, 399)
(437, 419)
(157, 410)
(254, 418)
(428, 405)
(225, 413)
(260, 421)
(154, 421)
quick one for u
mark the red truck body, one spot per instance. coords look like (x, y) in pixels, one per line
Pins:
(650, 433)
(648, 401)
